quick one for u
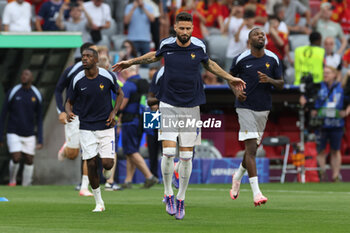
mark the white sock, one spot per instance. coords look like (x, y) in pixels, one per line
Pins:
(84, 182)
(239, 173)
(185, 170)
(177, 166)
(167, 166)
(97, 196)
(254, 185)
(27, 174)
(13, 167)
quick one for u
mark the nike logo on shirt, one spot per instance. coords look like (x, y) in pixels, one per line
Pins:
(169, 53)
(248, 66)
(82, 89)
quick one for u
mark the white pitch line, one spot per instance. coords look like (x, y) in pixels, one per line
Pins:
(266, 190)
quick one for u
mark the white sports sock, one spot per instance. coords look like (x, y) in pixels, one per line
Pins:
(13, 167)
(97, 196)
(167, 166)
(239, 173)
(185, 170)
(177, 166)
(27, 174)
(254, 184)
(84, 182)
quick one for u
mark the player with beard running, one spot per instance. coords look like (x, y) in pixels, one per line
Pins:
(180, 93)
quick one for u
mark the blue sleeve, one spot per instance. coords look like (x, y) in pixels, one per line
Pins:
(115, 85)
(278, 71)
(43, 10)
(4, 116)
(63, 83)
(127, 9)
(72, 92)
(234, 67)
(161, 50)
(128, 89)
(318, 101)
(39, 120)
(205, 58)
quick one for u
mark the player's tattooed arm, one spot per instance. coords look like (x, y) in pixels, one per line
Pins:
(216, 69)
(144, 59)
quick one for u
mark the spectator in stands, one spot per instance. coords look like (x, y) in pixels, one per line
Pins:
(332, 59)
(329, 106)
(226, 7)
(270, 4)
(277, 41)
(119, 14)
(211, 79)
(324, 25)
(241, 36)
(346, 57)
(46, 18)
(130, 128)
(231, 26)
(155, 24)
(75, 23)
(139, 16)
(309, 59)
(213, 14)
(101, 18)
(17, 17)
(293, 8)
(279, 12)
(198, 14)
(128, 51)
(22, 110)
(259, 9)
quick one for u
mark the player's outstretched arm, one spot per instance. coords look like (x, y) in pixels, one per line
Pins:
(144, 59)
(238, 83)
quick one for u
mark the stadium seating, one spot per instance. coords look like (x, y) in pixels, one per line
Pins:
(217, 46)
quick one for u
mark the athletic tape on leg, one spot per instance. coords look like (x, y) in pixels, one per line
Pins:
(186, 155)
(169, 151)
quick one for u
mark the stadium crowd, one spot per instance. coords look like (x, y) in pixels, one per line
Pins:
(306, 35)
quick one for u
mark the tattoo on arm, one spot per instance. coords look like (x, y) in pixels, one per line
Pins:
(147, 58)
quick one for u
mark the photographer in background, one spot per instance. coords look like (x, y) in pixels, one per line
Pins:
(329, 106)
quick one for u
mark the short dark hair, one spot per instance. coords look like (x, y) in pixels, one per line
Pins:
(251, 31)
(184, 16)
(315, 37)
(271, 17)
(248, 14)
(85, 46)
(94, 52)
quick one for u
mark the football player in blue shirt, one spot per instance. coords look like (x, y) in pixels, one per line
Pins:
(23, 106)
(261, 70)
(90, 90)
(181, 92)
(70, 148)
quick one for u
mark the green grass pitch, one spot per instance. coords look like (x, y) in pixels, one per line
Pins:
(291, 208)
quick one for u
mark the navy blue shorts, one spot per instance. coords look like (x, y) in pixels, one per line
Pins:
(332, 135)
(130, 138)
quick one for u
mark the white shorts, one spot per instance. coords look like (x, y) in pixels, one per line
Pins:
(252, 124)
(188, 136)
(100, 142)
(72, 133)
(17, 143)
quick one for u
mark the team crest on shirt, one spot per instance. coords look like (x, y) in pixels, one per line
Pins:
(193, 56)
(267, 65)
(33, 99)
(102, 86)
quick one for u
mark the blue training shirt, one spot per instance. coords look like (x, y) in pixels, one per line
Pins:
(24, 110)
(130, 89)
(93, 98)
(156, 80)
(246, 66)
(63, 83)
(182, 85)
